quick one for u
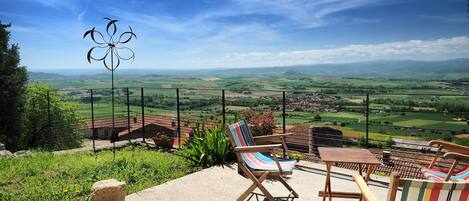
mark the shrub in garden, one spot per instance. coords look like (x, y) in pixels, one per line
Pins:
(208, 147)
(262, 123)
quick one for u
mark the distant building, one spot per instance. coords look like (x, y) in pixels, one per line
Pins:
(153, 125)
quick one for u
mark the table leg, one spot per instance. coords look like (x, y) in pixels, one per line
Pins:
(360, 169)
(370, 168)
(327, 187)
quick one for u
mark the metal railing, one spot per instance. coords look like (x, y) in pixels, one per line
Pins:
(140, 111)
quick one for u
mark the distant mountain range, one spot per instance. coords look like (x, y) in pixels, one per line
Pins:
(445, 69)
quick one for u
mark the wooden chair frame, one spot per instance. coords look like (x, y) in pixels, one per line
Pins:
(456, 152)
(256, 176)
(278, 137)
(395, 182)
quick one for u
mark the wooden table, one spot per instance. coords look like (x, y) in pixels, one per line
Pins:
(361, 157)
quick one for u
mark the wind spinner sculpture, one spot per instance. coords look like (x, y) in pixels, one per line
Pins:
(112, 58)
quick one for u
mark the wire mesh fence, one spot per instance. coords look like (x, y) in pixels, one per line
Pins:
(377, 120)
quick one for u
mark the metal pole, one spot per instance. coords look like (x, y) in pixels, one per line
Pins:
(128, 116)
(223, 106)
(178, 117)
(48, 113)
(92, 121)
(367, 117)
(113, 137)
(283, 112)
(284, 119)
(143, 115)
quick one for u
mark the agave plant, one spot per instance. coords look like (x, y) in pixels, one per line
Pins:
(208, 147)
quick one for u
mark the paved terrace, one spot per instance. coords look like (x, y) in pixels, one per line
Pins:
(223, 183)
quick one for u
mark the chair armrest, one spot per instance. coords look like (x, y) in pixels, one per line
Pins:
(365, 190)
(257, 148)
(456, 156)
(270, 137)
(450, 146)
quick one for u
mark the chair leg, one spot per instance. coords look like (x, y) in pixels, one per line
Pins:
(252, 187)
(287, 186)
(256, 183)
(264, 190)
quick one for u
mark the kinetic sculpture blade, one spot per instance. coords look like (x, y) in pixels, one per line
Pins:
(111, 58)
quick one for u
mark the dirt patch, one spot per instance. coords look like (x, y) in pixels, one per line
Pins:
(464, 135)
(237, 108)
(167, 86)
(357, 100)
(210, 79)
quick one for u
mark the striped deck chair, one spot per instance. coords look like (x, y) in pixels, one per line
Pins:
(457, 153)
(263, 139)
(436, 174)
(255, 165)
(418, 190)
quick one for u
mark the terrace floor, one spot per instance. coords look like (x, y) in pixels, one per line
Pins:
(223, 183)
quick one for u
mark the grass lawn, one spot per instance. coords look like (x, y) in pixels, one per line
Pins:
(47, 176)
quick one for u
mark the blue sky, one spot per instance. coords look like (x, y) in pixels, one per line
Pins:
(240, 33)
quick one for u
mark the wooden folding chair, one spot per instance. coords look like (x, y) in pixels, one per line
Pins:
(418, 190)
(255, 165)
(264, 139)
(456, 152)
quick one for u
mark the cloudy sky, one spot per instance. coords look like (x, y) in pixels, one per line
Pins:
(240, 33)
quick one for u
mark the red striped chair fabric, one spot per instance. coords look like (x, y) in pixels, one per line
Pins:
(436, 174)
(423, 190)
(256, 160)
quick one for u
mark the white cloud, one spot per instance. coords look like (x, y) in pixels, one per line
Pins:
(444, 48)
(57, 4)
(288, 14)
(218, 29)
(302, 13)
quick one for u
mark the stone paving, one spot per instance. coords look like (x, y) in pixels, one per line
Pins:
(223, 183)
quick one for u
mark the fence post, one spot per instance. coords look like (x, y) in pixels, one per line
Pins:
(283, 112)
(178, 117)
(143, 114)
(48, 113)
(93, 133)
(223, 105)
(284, 119)
(128, 116)
(367, 113)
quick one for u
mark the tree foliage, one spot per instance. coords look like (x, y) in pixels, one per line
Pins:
(12, 84)
(53, 125)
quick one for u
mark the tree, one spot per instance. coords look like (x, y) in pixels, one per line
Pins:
(63, 131)
(317, 117)
(12, 84)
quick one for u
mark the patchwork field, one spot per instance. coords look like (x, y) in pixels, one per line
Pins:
(416, 109)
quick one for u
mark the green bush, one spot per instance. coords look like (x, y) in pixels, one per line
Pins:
(64, 129)
(48, 176)
(208, 147)
(462, 141)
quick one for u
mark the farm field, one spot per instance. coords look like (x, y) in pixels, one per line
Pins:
(400, 108)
